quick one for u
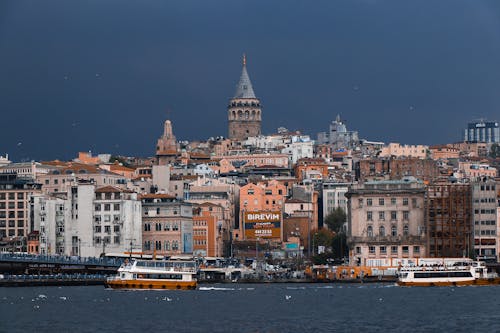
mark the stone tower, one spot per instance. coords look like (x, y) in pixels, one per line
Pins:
(244, 111)
(167, 148)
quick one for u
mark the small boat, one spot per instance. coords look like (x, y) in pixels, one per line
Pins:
(459, 274)
(155, 274)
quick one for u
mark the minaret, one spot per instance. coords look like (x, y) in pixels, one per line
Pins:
(244, 111)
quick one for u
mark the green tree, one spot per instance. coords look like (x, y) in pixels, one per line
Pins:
(495, 150)
(336, 220)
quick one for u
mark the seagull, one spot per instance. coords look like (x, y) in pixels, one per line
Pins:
(287, 297)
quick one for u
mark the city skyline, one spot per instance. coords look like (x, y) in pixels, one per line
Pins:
(105, 76)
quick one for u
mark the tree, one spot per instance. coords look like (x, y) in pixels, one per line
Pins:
(495, 150)
(336, 220)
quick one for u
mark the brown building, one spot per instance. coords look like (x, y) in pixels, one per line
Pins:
(244, 110)
(378, 169)
(167, 225)
(449, 220)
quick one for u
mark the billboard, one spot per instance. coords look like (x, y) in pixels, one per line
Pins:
(262, 224)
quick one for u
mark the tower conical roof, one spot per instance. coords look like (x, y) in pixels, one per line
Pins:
(244, 88)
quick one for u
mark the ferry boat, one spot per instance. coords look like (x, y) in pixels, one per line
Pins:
(155, 274)
(459, 274)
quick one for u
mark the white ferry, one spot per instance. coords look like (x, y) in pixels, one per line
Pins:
(155, 274)
(458, 274)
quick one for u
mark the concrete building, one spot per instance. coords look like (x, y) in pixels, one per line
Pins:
(334, 196)
(26, 170)
(88, 221)
(482, 131)
(484, 217)
(15, 196)
(69, 174)
(386, 220)
(338, 135)
(244, 109)
(167, 225)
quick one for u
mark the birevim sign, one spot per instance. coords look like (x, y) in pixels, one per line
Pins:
(262, 224)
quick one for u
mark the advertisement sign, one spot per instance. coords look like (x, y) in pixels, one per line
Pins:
(262, 224)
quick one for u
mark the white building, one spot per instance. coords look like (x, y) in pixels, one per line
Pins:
(87, 222)
(334, 196)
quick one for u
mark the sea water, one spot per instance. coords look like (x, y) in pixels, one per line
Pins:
(252, 308)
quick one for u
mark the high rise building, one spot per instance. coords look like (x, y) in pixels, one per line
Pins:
(244, 110)
(482, 131)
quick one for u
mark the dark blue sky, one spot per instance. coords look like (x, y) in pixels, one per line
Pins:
(101, 75)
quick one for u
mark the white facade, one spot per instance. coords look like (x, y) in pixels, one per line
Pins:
(87, 222)
(298, 150)
(334, 196)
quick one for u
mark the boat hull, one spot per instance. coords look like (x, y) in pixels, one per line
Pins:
(476, 282)
(151, 285)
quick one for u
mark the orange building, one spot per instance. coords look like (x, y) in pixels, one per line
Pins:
(310, 166)
(34, 242)
(257, 200)
(207, 231)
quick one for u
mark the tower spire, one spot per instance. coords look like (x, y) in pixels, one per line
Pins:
(244, 88)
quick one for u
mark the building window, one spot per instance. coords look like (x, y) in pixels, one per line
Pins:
(416, 249)
(167, 226)
(383, 250)
(167, 245)
(147, 227)
(394, 215)
(405, 250)
(175, 227)
(369, 202)
(381, 231)
(406, 215)
(116, 206)
(116, 228)
(405, 201)
(371, 249)
(107, 207)
(406, 230)
(158, 245)
(394, 231)
(381, 201)
(360, 202)
(358, 249)
(394, 249)
(97, 207)
(369, 231)
(107, 229)
(369, 216)
(116, 239)
(393, 201)
(97, 229)
(381, 216)
(414, 202)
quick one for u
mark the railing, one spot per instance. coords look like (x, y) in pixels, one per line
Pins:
(53, 259)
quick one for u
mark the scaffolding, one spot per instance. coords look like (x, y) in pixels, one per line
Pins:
(449, 220)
